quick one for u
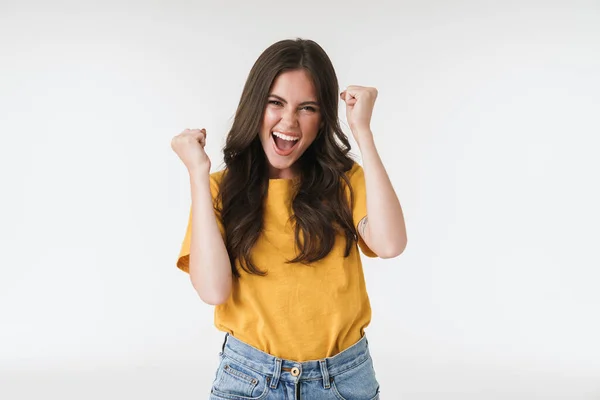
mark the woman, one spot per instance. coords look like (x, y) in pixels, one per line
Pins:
(272, 240)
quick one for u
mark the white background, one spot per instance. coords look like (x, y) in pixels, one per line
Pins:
(487, 120)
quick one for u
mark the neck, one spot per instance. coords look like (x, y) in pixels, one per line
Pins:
(287, 173)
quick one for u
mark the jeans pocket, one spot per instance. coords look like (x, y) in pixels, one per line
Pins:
(358, 383)
(235, 381)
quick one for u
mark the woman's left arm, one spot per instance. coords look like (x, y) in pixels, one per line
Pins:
(383, 229)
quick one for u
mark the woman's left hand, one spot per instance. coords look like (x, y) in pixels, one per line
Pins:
(360, 101)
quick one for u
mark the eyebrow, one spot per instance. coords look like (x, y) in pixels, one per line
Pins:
(302, 104)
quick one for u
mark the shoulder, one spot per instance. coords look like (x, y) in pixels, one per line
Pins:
(355, 174)
(217, 176)
(354, 179)
(355, 169)
(215, 182)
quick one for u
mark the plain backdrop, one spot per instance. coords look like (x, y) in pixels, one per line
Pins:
(487, 121)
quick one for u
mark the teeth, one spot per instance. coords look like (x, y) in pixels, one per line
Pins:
(285, 137)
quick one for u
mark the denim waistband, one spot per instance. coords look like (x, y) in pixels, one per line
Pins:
(281, 369)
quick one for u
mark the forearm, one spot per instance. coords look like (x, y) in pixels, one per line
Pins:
(385, 230)
(209, 265)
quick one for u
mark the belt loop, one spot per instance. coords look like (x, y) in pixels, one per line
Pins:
(224, 341)
(276, 373)
(325, 373)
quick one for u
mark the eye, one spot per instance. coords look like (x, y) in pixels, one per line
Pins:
(275, 102)
(309, 108)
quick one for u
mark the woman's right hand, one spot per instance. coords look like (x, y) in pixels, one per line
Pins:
(189, 146)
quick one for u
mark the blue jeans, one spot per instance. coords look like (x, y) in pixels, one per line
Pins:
(246, 373)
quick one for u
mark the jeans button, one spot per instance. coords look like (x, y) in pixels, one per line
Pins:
(295, 371)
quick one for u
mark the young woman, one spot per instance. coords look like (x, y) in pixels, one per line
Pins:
(272, 240)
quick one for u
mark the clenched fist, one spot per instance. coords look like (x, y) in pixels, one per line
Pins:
(189, 146)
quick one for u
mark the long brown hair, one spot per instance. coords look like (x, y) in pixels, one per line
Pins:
(320, 205)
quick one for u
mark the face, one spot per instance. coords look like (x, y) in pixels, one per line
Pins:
(291, 122)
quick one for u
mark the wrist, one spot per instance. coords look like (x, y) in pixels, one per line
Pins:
(363, 136)
(199, 174)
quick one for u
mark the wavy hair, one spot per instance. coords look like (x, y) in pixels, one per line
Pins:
(320, 205)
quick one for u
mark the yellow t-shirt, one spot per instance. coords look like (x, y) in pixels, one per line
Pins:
(295, 312)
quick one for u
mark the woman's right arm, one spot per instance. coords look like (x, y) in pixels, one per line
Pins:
(209, 265)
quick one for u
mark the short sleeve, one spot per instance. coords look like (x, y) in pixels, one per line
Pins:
(359, 209)
(184, 253)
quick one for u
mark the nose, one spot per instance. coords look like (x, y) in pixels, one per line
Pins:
(289, 119)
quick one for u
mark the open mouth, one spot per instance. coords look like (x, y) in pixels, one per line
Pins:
(284, 144)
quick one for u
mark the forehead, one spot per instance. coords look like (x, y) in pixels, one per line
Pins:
(295, 85)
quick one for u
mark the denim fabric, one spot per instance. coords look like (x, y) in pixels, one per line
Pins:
(246, 373)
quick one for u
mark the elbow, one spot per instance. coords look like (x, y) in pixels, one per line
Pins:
(215, 295)
(393, 250)
(214, 299)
